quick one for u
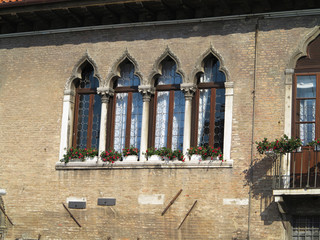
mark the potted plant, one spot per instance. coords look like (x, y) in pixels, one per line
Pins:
(79, 155)
(315, 144)
(202, 153)
(130, 154)
(110, 156)
(279, 146)
(153, 154)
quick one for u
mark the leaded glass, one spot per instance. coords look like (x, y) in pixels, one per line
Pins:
(127, 78)
(219, 118)
(96, 121)
(306, 86)
(120, 121)
(211, 71)
(178, 120)
(204, 117)
(83, 117)
(162, 114)
(136, 120)
(169, 75)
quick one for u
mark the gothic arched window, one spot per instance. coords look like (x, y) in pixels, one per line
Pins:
(209, 106)
(86, 127)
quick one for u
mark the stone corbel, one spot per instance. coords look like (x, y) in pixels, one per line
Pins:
(188, 89)
(146, 91)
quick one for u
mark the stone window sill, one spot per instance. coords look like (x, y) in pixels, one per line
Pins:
(92, 165)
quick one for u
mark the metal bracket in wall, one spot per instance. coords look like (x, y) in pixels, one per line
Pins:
(74, 219)
(187, 214)
(171, 202)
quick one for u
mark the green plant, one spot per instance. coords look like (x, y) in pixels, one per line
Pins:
(152, 151)
(281, 146)
(206, 152)
(110, 156)
(130, 151)
(78, 153)
(315, 142)
(165, 152)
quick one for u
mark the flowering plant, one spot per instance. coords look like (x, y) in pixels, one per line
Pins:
(78, 153)
(315, 142)
(281, 146)
(110, 156)
(130, 151)
(206, 152)
(152, 151)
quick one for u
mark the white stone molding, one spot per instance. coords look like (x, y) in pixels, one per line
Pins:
(227, 137)
(188, 89)
(105, 93)
(146, 91)
(68, 102)
(157, 69)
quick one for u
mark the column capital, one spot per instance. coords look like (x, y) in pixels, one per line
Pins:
(69, 92)
(228, 84)
(105, 93)
(146, 91)
(188, 89)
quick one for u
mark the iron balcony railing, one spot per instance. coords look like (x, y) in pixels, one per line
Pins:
(297, 170)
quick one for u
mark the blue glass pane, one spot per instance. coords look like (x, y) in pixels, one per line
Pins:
(82, 125)
(127, 79)
(96, 122)
(162, 119)
(178, 120)
(219, 118)
(169, 75)
(136, 120)
(211, 71)
(306, 86)
(204, 117)
(120, 121)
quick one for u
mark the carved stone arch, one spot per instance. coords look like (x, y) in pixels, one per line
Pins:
(157, 70)
(199, 67)
(302, 49)
(76, 72)
(115, 70)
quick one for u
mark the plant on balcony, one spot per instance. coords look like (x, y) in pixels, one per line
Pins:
(79, 154)
(280, 146)
(130, 151)
(152, 151)
(206, 152)
(110, 156)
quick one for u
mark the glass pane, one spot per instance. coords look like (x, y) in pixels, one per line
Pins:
(127, 78)
(211, 71)
(306, 110)
(82, 125)
(136, 120)
(204, 117)
(306, 132)
(169, 75)
(120, 121)
(306, 86)
(96, 122)
(162, 119)
(219, 118)
(178, 120)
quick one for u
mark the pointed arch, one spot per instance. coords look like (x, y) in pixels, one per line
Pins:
(115, 70)
(302, 49)
(199, 66)
(157, 67)
(77, 70)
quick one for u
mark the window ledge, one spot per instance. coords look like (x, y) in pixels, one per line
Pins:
(88, 165)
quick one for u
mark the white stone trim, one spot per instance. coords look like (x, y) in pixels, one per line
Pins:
(228, 121)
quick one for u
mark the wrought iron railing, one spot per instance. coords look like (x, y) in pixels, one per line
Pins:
(297, 170)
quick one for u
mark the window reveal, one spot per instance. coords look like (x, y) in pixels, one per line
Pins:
(169, 107)
(127, 108)
(209, 106)
(87, 111)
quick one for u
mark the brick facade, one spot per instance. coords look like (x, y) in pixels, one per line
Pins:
(33, 73)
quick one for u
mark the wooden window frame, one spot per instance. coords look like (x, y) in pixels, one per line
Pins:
(195, 110)
(171, 88)
(295, 121)
(111, 115)
(91, 93)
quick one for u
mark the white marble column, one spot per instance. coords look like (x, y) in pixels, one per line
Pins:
(146, 92)
(105, 93)
(228, 120)
(188, 89)
(67, 122)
